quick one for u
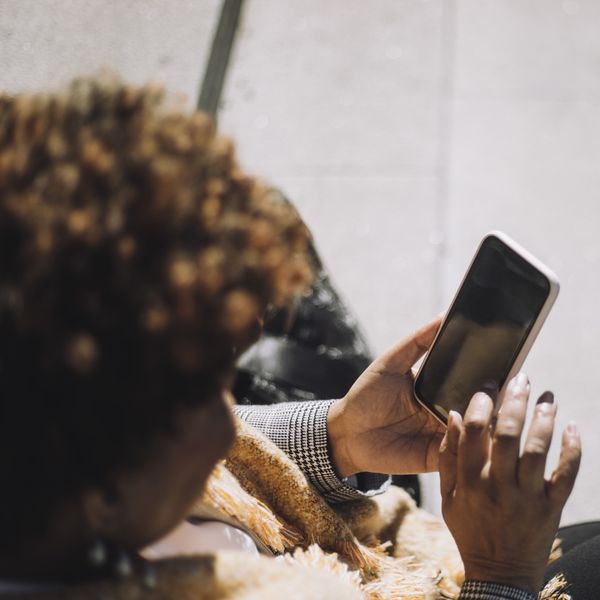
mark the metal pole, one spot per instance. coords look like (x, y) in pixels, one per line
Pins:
(218, 61)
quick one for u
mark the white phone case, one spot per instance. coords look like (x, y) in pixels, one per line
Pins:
(537, 325)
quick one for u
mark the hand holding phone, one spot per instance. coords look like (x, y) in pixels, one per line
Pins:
(379, 427)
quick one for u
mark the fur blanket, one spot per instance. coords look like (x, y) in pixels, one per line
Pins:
(373, 549)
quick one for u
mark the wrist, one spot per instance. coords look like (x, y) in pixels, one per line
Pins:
(337, 439)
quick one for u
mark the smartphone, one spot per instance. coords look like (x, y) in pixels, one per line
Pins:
(489, 328)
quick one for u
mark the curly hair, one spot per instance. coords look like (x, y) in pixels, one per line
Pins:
(135, 262)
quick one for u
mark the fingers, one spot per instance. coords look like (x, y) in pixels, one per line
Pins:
(527, 472)
(474, 443)
(562, 480)
(404, 355)
(507, 434)
(530, 473)
(449, 454)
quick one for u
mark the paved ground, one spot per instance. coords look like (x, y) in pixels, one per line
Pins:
(403, 130)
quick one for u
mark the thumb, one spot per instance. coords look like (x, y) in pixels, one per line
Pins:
(401, 357)
(449, 454)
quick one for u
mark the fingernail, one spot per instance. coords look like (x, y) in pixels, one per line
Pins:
(452, 417)
(572, 428)
(546, 398)
(491, 389)
(520, 383)
(545, 408)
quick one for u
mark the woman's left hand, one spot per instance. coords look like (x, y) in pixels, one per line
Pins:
(379, 426)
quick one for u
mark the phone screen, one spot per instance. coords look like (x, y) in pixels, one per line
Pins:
(485, 328)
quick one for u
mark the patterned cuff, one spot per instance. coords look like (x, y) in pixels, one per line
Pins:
(485, 590)
(300, 430)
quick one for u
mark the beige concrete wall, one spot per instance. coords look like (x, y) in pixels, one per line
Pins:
(47, 42)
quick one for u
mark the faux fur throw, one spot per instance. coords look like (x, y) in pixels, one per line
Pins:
(373, 549)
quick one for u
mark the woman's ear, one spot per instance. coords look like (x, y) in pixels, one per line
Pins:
(101, 511)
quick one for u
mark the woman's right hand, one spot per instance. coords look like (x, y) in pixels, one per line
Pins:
(496, 502)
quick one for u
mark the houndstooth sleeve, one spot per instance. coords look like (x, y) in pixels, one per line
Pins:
(485, 590)
(300, 430)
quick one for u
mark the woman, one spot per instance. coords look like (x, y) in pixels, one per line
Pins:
(136, 260)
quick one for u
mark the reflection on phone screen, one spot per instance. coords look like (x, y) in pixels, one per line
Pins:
(485, 329)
